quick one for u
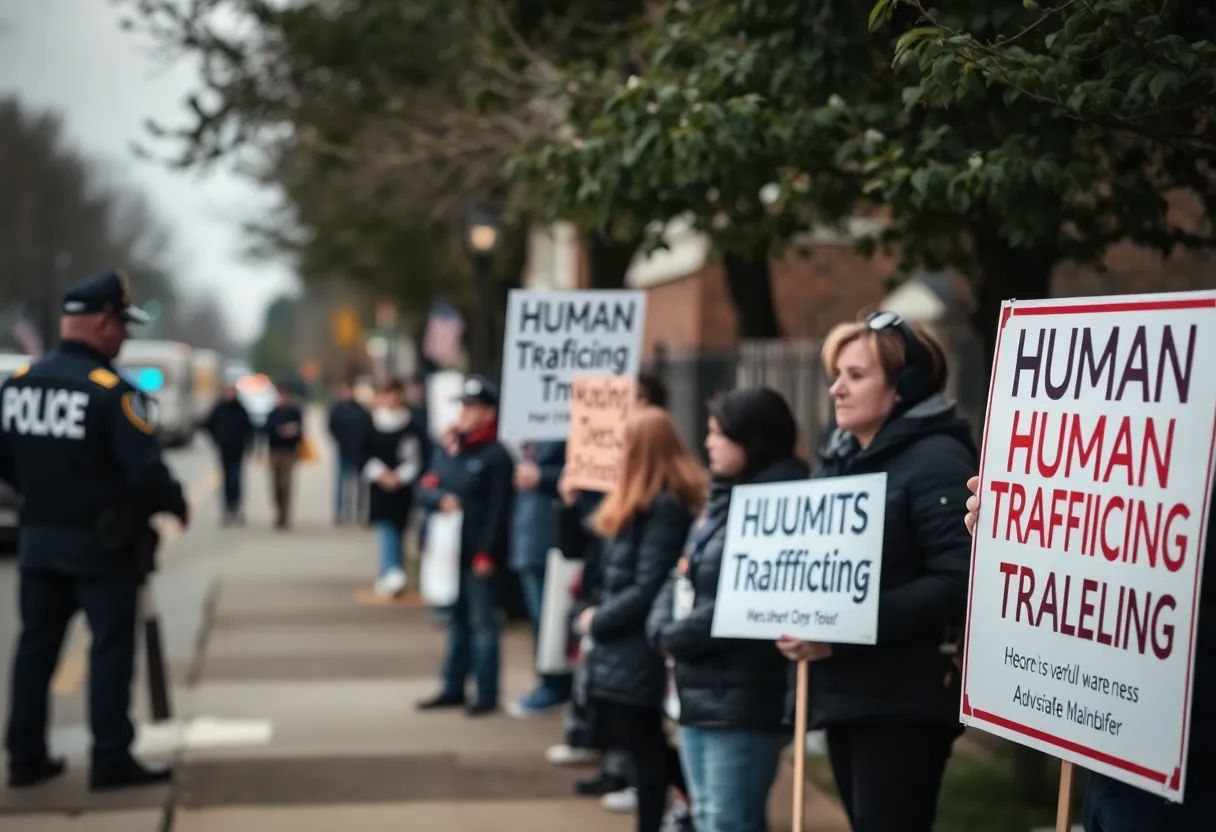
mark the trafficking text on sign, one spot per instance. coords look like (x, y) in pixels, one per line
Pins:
(803, 558)
(551, 337)
(1096, 479)
(601, 406)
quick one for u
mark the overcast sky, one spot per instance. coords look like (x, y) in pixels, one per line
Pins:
(70, 56)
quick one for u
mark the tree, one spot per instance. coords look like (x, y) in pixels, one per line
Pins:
(382, 121)
(1133, 67)
(759, 117)
(273, 352)
(63, 217)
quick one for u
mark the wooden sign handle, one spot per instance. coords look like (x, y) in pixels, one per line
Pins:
(800, 708)
(1064, 802)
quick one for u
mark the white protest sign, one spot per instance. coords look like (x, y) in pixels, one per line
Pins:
(1095, 485)
(552, 337)
(804, 559)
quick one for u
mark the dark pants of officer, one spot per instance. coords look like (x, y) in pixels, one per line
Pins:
(233, 470)
(48, 600)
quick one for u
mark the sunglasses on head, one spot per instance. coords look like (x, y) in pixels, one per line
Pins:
(878, 321)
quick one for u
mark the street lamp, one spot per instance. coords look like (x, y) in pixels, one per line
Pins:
(481, 235)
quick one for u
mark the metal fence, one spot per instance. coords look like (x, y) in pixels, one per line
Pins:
(793, 368)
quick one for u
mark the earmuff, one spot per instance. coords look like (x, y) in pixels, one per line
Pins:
(915, 382)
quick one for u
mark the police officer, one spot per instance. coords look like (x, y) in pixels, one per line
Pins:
(77, 442)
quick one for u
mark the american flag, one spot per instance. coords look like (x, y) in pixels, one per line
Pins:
(444, 331)
(26, 335)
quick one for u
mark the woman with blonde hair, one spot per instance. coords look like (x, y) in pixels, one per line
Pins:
(890, 710)
(643, 524)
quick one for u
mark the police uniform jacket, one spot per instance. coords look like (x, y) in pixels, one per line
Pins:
(76, 441)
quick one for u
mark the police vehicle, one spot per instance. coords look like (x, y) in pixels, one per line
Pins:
(164, 370)
(10, 501)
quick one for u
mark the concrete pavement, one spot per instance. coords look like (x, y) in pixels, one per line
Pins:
(302, 694)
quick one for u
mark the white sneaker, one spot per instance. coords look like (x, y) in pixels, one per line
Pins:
(391, 584)
(622, 802)
(567, 755)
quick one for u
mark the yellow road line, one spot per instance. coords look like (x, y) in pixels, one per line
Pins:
(70, 674)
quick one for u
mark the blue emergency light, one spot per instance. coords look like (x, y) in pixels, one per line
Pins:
(149, 379)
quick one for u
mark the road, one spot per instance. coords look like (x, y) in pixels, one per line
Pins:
(195, 467)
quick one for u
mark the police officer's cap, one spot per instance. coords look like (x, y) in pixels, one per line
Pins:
(478, 390)
(108, 292)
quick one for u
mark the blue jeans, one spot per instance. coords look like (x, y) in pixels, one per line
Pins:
(730, 774)
(473, 640)
(1111, 806)
(532, 581)
(232, 466)
(346, 488)
(390, 536)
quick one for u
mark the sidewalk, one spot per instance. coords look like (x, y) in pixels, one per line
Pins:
(327, 685)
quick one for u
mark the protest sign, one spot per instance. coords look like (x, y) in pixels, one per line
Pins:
(1095, 484)
(598, 412)
(552, 337)
(803, 559)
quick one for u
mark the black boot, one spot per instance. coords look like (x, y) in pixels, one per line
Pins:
(129, 772)
(31, 774)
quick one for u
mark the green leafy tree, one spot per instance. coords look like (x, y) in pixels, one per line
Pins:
(805, 104)
(383, 122)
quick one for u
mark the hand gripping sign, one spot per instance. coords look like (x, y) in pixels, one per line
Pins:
(1095, 488)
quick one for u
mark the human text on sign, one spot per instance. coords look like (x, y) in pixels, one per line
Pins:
(600, 407)
(1095, 484)
(804, 559)
(552, 337)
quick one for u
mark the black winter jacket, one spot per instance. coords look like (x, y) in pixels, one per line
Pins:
(622, 666)
(736, 684)
(928, 455)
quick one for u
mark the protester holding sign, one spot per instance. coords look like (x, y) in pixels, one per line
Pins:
(533, 534)
(477, 480)
(643, 523)
(731, 691)
(890, 710)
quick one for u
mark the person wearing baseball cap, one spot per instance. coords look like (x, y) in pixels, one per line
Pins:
(108, 293)
(478, 481)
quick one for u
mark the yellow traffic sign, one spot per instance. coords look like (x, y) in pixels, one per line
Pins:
(345, 326)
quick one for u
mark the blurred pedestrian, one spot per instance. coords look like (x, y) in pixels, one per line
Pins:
(476, 480)
(391, 460)
(349, 424)
(283, 431)
(890, 710)
(643, 524)
(231, 430)
(731, 691)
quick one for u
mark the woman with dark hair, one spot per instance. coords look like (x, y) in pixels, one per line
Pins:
(890, 709)
(731, 691)
(643, 523)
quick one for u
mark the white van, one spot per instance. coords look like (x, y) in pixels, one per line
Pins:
(10, 501)
(163, 370)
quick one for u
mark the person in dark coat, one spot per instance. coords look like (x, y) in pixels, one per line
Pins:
(643, 523)
(890, 710)
(284, 431)
(349, 424)
(230, 428)
(390, 459)
(534, 533)
(478, 480)
(731, 691)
